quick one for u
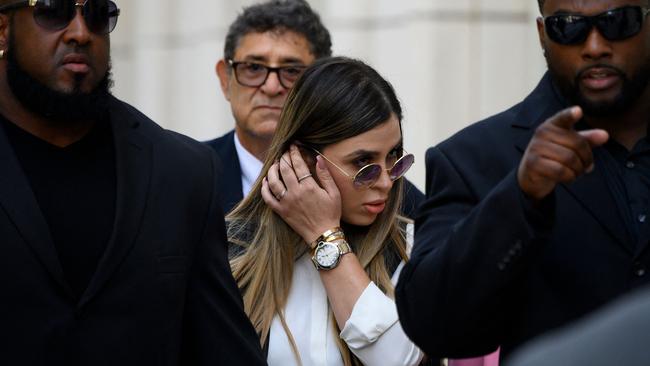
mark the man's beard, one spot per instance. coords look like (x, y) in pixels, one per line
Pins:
(59, 107)
(631, 90)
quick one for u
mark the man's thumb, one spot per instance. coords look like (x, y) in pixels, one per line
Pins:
(595, 137)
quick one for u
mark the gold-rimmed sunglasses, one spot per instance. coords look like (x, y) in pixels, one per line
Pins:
(368, 175)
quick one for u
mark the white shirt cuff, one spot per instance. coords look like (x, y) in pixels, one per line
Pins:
(372, 315)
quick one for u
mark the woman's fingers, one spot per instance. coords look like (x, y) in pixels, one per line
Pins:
(275, 184)
(287, 172)
(326, 179)
(299, 166)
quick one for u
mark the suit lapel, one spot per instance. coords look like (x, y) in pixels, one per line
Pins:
(19, 202)
(593, 193)
(232, 179)
(590, 190)
(230, 170)
(133, 168)
(534, 110)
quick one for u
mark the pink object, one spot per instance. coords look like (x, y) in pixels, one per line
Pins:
(489, 360)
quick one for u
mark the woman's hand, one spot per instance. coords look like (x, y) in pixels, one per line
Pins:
(291, 191)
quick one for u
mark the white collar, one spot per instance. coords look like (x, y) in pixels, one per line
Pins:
(249, 164)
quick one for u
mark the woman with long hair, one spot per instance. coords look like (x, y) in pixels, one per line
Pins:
(317, 244)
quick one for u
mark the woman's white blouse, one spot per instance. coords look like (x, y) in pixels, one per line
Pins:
(373, 332)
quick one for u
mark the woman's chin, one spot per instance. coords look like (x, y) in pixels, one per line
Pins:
(365, 219)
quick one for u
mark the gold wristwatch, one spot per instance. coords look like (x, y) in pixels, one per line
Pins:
(327, 254)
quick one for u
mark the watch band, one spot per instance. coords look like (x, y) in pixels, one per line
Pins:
(344, 247)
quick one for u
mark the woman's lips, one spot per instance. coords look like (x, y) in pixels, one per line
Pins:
(375, 208)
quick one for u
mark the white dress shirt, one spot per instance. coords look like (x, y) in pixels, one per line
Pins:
(250, 166)
(373, 332)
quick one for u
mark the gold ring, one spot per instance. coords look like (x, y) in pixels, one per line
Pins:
(304, 177)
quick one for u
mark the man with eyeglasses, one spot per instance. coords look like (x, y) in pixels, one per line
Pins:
(538, 215)
(100, 264)
(267, 48)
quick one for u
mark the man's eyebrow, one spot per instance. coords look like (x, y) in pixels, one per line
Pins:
(255, 58)
(291, 60)
(265, 60)
(566, 12)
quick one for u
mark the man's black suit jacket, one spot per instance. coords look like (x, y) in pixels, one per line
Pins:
(162, 293)
(231, 190)
(488, 268)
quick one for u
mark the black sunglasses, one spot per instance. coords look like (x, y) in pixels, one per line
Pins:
(100, 15)
(615, 25)
(254, 75)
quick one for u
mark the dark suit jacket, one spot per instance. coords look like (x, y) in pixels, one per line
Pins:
(231, 190)
(162, 293)
(489, 268)
(617, 335)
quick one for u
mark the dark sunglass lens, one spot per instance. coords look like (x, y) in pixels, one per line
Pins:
(401, 166)
(619, 24)
(54, 14)
(567, 29)
(96, 14)
(113, 13)
(367, 175)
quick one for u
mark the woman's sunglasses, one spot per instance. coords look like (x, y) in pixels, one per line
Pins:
(615, 25)
(100, 15)
(367, 176)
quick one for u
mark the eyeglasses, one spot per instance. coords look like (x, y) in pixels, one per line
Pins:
(367, 176)
(100, 15)
(254, 75)
(615, 25)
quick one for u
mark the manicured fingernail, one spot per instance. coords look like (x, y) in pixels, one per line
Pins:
(320, 162)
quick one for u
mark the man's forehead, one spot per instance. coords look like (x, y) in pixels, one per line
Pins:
(274, 46)
(588, 6)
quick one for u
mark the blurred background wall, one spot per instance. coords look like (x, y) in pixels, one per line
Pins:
(452, 62)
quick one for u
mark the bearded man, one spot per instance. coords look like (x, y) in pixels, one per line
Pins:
(538, 215)
(112, 237)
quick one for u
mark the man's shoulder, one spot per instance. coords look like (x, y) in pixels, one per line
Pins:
(507, 125)
(487, 131)
(224, 144)
(169, 142)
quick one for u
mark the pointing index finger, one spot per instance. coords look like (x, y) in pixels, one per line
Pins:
(566, 118)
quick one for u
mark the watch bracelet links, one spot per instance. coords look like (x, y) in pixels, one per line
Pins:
(344, 246)
(328, 236)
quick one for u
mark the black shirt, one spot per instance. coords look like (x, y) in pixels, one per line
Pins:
(75, 188)
(628, 177)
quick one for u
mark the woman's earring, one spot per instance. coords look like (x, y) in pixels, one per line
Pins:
(2, 54)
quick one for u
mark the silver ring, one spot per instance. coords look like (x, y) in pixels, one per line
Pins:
(304, 177)
(282, 194)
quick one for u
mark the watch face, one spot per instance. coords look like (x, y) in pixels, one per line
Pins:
(327, 254)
